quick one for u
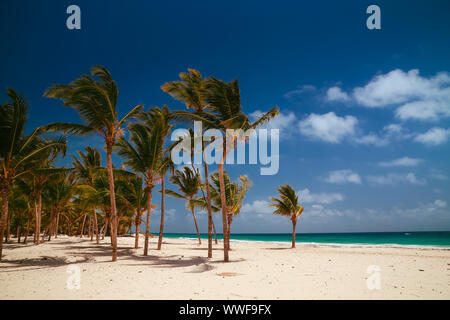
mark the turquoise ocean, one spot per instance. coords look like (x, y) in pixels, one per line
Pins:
(430, 240)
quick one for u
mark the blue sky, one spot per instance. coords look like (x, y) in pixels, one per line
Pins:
(364, 113)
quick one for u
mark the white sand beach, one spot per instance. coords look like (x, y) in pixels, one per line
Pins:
(256, 271)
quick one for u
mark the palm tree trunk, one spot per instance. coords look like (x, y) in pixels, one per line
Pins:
(112, 196)
(38, 216)
(91, 228)
(138, 226)
(224, 209)
(28, 226)
(57, 225)
(147, 224)
(161, 225)
(8, 229)
(196, 225)
(5, 193)
(97, 236)
(82, 226)
(230, 220)
(294, 224)
(208, 202)
(19, 227)
(214, 229)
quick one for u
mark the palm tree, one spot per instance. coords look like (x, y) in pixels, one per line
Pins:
(143, 153)
(17, 149)
(84, 170)
(168, 167)
(135, 195)
(225, 112)
(96, 102)
(189, 184)
(234, 193)
(191, 90)
(287, 205)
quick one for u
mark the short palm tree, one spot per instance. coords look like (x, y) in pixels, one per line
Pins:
(189, 184)
(96, 102)
(234, 193)
(135, 195)
(143, 153)
(17, 149)
(84, 170)
(287, 205)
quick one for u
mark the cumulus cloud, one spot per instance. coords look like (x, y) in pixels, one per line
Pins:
(336, 94)
(257, 206)
(401, 162)
(328, 127)
(305, 196)
(343, 176)
(420, 98)
(395, 178)
(433, 137)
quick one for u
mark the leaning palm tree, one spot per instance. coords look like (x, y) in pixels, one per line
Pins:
(225, 112)
(189, 184)
(191, 90)
(96, 102)
(17, 149)
(143, 153)
(287, 205)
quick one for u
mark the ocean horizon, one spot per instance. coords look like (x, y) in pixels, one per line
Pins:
(413, 239)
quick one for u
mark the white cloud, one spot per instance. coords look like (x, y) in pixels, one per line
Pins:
(305, 196)
(421, 98)
(336, 94)
(395, 178)
(433, 137)
(257, 206)
(328, 127)
(301, 89)
(285, 122)
(343, 176)
(398, 86)
(440, 203)
(401, 162)
(428, 110)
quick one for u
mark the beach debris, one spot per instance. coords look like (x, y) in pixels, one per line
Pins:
(421, 270)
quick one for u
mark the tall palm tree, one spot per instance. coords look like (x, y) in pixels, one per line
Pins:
(17, 149)
(191, 90)
(168, 167)
(143, 153)
(287, 205)
(189, 184)
(225, 112)
(96, 102)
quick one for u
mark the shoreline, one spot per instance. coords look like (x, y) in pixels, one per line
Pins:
(337, 244)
